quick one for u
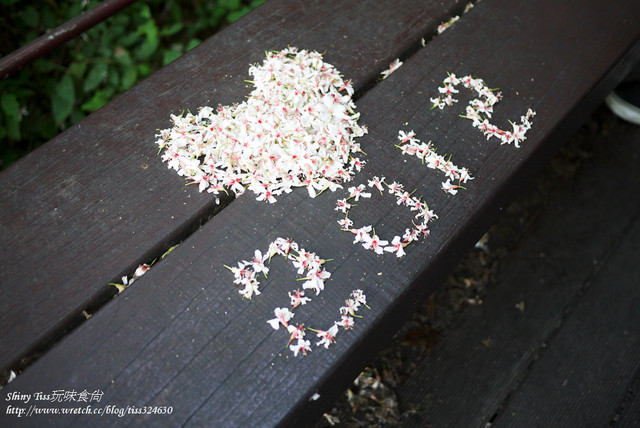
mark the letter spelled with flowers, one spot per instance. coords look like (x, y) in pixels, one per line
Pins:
(410, 145)
(480, 109)
(374, 242)
(310, 265)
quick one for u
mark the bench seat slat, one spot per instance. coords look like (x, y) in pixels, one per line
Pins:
(183, 337)
(96, 201)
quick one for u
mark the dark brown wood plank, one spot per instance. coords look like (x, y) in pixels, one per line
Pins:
(181, 336)
(589, 366)
(629, 415)
(466, 379)
(96, 201)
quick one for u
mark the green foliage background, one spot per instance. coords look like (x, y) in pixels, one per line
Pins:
(67, 84)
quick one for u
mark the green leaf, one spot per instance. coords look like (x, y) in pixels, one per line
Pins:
(171, 30)
(62, 99)
(10, 106)
(113, 77)
(192, 44)
(151, 42)
(234, 16)
(99, 99)
(145, 12)
(48, 17)
(230, 5)
(30, 16)
(44, 65)
(129, 39)
(144, 69)
(95, 76)
(13, 128)
(77, 69)
(129, 76)
(170, 55)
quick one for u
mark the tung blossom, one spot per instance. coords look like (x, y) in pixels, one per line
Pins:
(283, 315)
(392, 67)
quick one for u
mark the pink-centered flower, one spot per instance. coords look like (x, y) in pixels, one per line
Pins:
(374, 243)
(296, 332)
(316, 279)
(301, 345)
(283, 315)
(361, 234)
(327, 337)
(258, 262)
(358, 192)
(342, 205)
(377, 182)
(346, 322)
(392, 67)
(298, 298)
(396, 246)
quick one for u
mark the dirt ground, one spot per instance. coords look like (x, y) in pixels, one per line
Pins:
(371, 401)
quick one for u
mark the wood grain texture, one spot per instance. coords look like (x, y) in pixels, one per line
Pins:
(579, 321)
(97, 201)
(589, 367)
(182, 336)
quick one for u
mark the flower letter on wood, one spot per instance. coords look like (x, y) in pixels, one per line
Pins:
(480, 109)
(372, 241)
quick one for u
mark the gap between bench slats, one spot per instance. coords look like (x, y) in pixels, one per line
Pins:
(183, 337)
(96, 201)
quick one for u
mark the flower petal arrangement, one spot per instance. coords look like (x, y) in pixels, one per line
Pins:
(374, 242)
(410, 145)
(482, 106)
(305, 263)
(296, 129)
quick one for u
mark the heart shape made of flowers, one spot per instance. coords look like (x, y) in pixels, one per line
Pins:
(297, 128)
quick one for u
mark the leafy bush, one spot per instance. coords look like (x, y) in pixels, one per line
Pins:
(62, 87)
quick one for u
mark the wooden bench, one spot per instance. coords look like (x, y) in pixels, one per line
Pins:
(95, 202)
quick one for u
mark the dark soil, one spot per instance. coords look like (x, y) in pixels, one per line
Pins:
(371, 400)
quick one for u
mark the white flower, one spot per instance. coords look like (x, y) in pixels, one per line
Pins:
(396, 247)
(301, 346)
(258, 262)
(359, 297)
(345, 223)
(361, 234)
(316, 279)
(392, 67)
(358, 192)
(298, 298)
(450, 188)
(374, 243)
(327, 337)
(283, 315)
